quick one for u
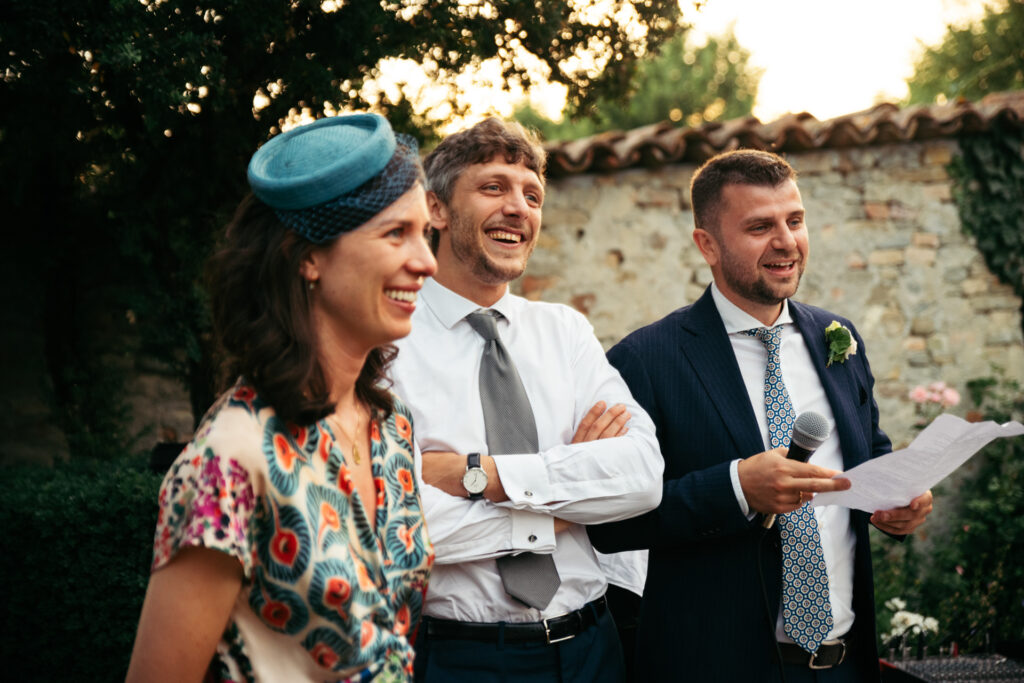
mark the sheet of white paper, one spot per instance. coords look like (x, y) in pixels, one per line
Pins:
(895, 479)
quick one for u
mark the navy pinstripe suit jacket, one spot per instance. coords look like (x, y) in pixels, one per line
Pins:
(703, 616)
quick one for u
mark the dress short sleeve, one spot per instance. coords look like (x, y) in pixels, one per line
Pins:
(206, 500)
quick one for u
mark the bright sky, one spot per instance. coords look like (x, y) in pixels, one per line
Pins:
(829, 57)
(826, 57)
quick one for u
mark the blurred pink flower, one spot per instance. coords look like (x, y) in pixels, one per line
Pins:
(959, 570)
(936, 392)
(918, 394)
(950, 397)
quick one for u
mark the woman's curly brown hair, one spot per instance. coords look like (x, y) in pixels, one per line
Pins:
(263, 322)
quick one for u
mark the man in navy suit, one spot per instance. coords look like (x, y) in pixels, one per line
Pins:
(713, 606)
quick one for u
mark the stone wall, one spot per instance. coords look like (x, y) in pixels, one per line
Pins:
(153, 396)
(887, 252)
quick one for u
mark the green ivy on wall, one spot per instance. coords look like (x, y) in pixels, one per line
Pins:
(988, 186)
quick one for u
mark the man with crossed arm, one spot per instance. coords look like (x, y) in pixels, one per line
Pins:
(520, 449)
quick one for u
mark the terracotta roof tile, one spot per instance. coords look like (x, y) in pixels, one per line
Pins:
(663, 143)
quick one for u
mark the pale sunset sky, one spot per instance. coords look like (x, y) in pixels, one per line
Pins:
(826, 57)
(829, 57)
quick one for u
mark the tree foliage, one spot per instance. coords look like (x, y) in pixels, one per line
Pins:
(987, 56)
(125, 127)
(681, 83)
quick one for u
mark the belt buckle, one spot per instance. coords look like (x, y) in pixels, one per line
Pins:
(547, 631)
(842, 655)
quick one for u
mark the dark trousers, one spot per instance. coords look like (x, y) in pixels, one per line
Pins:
(594, 656)
(844, 673)
(625, 608)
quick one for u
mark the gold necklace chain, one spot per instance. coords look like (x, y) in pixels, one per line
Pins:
(355, 447)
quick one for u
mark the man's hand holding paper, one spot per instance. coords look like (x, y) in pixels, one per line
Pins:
(893, 483)
(905, 519)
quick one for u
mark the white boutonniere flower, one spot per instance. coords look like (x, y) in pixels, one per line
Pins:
(841, 344)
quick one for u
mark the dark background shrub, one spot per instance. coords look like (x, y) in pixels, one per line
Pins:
(75, 566)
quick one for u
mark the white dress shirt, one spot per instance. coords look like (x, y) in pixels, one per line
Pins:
(564, 372)
(626, 569)
(805, 393)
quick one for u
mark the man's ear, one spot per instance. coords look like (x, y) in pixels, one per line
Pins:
(708, 246)
(438, 211)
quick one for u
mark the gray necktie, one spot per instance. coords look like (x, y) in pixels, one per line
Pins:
(510, 428)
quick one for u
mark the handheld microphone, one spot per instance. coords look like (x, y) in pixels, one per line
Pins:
(810, 430)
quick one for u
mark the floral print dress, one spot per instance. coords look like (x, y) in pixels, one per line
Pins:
(326, 597)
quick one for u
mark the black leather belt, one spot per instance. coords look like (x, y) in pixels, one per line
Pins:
(550, 630)
(830, 653)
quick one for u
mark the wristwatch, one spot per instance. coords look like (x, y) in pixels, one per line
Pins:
(475, 479)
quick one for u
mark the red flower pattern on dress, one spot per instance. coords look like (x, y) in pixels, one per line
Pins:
(285, 547)
(286, 455)
(363, 575)
(345, 480)
(328, 520)
(405, 479)
(367, 633)
(403, 427)
(216, 495)
(338, 593)
(402, 619)
(276, 613)
(245, 394)
(324, 655)
(300, 434)
(405, 535)
(325, 444)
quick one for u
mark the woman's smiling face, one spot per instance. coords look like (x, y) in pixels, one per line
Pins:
(367, 279)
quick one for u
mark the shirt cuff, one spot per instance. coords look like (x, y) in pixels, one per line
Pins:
(737, 489)
(532, 532)
(524, 478)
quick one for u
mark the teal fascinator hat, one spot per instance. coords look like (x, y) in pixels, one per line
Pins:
(330, 176)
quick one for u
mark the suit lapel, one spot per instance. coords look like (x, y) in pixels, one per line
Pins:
(838, 381)
(706, 346)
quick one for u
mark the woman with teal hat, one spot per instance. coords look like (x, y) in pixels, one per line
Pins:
(290, 543)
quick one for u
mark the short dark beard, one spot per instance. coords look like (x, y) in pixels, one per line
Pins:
(474, 255)
(757, 291)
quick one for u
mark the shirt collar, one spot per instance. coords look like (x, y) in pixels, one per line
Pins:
(450, 307)
(736, 319)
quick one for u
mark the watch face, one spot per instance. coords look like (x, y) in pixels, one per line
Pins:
(474, 480)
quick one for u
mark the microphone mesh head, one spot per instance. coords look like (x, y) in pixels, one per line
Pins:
(810, 430)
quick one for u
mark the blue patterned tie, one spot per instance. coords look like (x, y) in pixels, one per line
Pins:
(806, 610)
